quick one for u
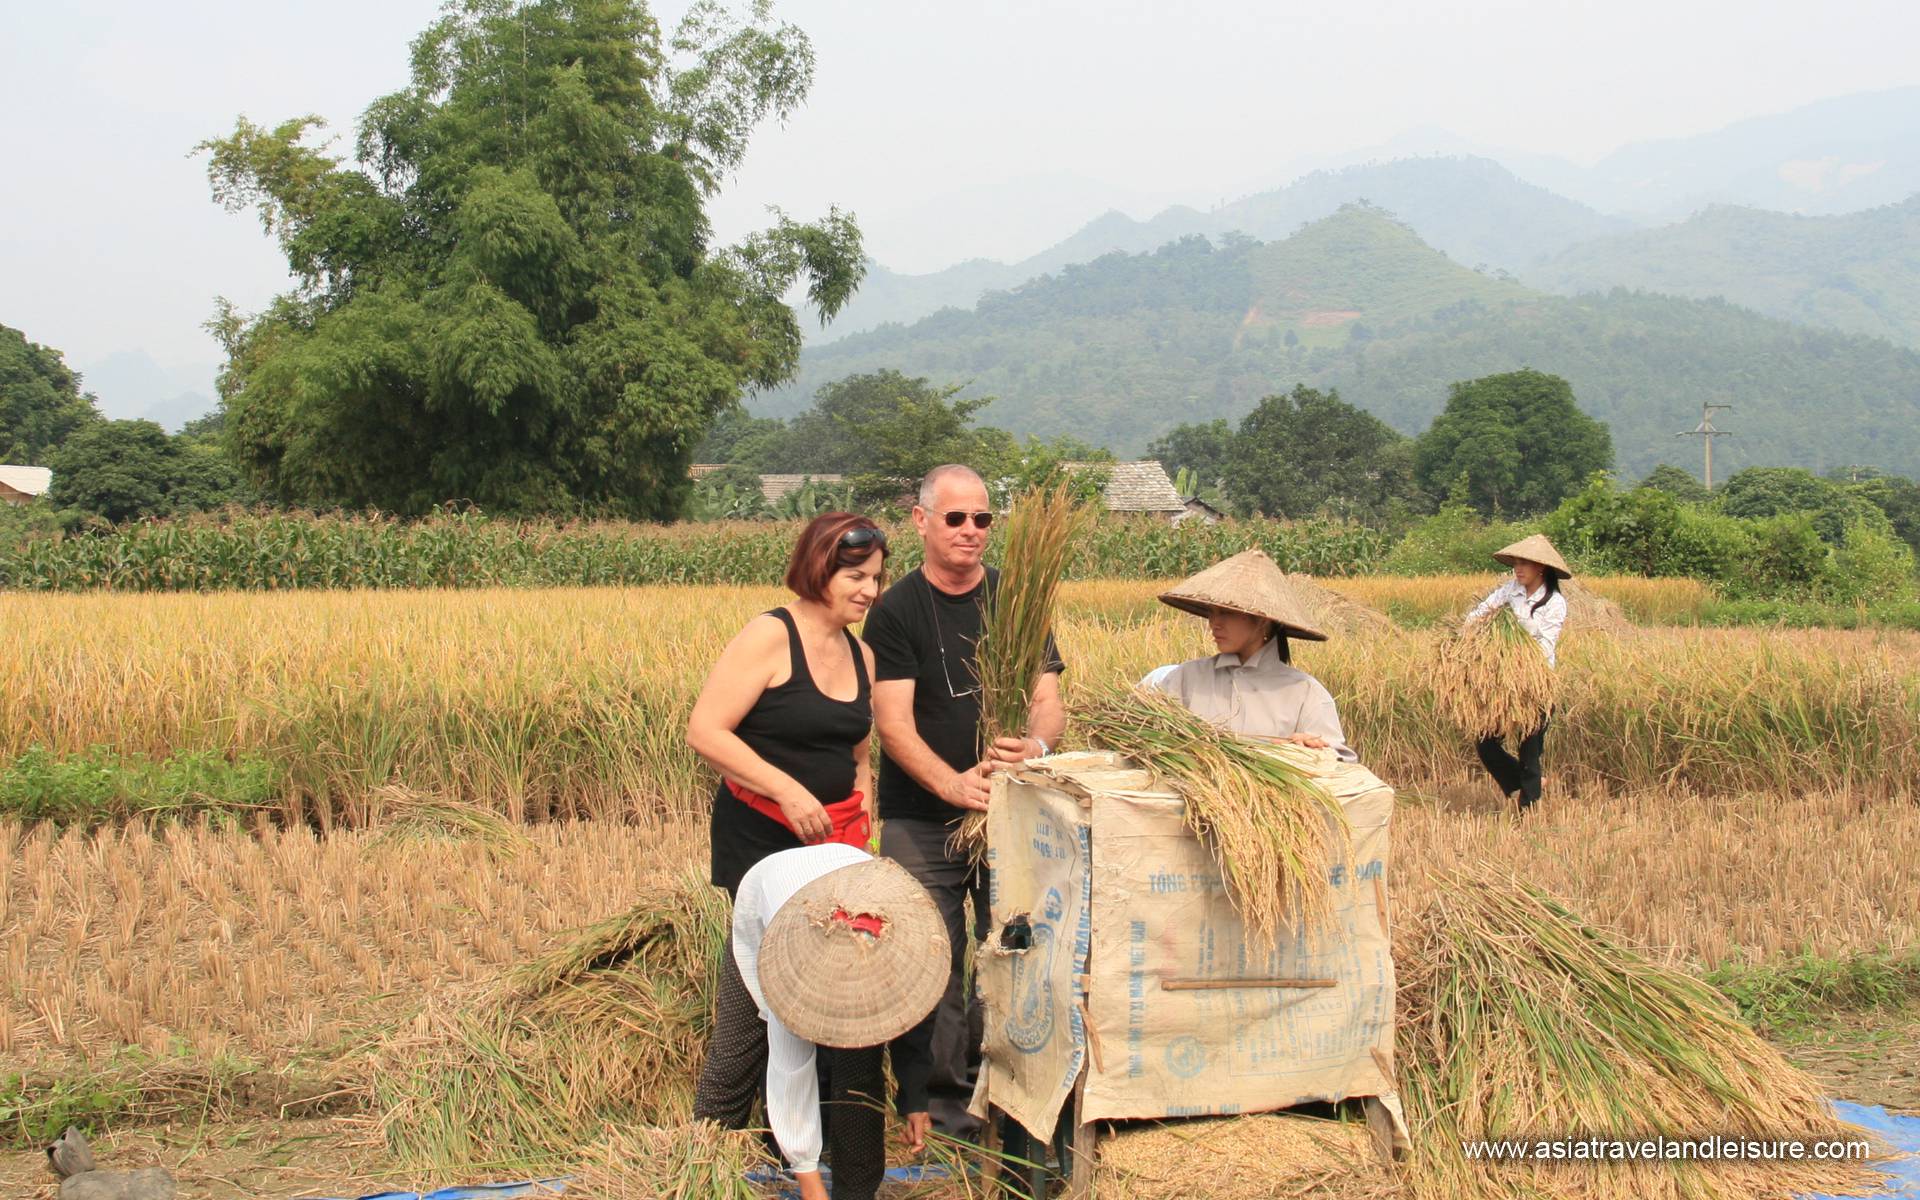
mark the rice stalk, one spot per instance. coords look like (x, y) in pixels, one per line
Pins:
(696, 1161)
(399, 812)
(1275, 833)
(1520, 1021)
(1018, 619)
(1492, 679)
(610, 1027)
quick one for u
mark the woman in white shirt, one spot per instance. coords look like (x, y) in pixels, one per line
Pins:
(1533, 596)
(1251, 686)
(834, 954)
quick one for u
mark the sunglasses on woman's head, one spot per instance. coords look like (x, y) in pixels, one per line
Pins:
(955, 518)
(869, 535)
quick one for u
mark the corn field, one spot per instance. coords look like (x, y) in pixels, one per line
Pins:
(282, 552)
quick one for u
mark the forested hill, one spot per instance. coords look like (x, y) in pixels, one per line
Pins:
(1474, 209)
(1119, 350)
(1857, 272)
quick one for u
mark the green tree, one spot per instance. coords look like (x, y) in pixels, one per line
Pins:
(1678, 483)
(885, 431)
(737, 436)
(1309, 451)
(1899, 498)
(511, 296)
(41, 404)
(1518, 439)
(206, 476)
(1039, 464)
(1200, 447)
(1761, 492)
(116, 470)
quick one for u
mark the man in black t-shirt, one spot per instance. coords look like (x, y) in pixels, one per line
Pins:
(926, 708)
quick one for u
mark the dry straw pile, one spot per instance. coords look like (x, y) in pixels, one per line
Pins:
(1492, 680)
(695, 1161)
(1519, 1020)
(1268, 1156)
(608, 1027)
(1275, 832)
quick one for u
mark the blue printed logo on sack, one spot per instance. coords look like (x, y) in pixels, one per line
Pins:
(1030, 1025)
(1186, 1057)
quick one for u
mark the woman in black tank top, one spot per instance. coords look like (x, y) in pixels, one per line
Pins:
(787, 729)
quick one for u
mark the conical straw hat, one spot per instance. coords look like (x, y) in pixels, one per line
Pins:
(856, 957)
(1251, 583)
(1536, 549)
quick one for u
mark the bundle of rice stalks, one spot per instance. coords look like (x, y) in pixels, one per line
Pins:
(1018, 620)
(1275, 832)
(1519, 1021)
(1492, 680)
(400, 812)
(1261, 1157)
(610, 1027)
(695, 1161)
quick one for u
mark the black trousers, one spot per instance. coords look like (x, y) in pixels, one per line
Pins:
(950, 1035)
(852, 1087)
(1516, 774)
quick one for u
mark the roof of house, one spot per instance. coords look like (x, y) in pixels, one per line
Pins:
(1136, 486)
(775, 487)
(30, 481)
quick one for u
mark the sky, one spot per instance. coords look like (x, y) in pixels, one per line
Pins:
(952, 131)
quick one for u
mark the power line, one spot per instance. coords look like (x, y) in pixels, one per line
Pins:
(1706, 433)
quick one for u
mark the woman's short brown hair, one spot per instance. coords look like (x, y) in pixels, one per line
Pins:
(818, 553)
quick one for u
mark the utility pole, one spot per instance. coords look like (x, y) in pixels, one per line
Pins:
(1706, 433)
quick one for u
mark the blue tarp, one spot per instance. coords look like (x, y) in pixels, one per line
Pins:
(790, 1190)
(482, 1191)
(1900, 1134)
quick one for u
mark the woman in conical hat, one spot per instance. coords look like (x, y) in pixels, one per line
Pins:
(1533, 596)
(833, 954)
(1251, 686)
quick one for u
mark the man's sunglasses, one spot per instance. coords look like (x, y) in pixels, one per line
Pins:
(955, 518)
(854, 539)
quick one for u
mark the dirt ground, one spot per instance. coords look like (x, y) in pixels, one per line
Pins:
(332, 1157)
(1869, 1058)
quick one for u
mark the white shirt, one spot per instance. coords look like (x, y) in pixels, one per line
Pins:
(1544, 627)
(1262, 697)
(793, 1087)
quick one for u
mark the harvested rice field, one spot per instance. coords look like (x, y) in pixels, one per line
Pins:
(457, 932)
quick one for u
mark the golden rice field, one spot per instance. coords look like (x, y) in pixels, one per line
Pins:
(544, 704)
(469, 777)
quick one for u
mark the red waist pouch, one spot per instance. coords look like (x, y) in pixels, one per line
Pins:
(851, 825)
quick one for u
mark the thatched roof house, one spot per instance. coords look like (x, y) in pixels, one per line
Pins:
(1137, 487)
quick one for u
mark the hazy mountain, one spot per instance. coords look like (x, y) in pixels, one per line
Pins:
(1832, 156)
(1119, 350)
(1475, 210)
(129, 384)
(1855, 272)
(1484, 205)
(1836, 155)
